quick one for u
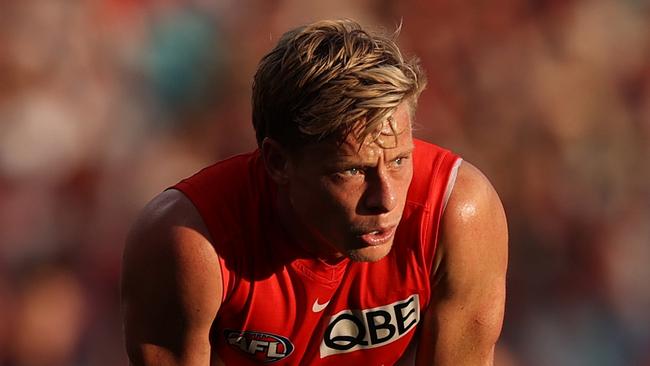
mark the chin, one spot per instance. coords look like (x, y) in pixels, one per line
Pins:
(370, 254)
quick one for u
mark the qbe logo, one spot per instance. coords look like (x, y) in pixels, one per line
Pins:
(352, 330)
(263, 347)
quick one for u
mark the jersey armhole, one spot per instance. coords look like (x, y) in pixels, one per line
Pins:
(436, 255)
(451, 182)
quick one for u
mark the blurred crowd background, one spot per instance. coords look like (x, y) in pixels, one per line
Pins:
(104, 103)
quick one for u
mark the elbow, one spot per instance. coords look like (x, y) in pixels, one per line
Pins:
(487, 325)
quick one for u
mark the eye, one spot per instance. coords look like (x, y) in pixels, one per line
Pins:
(399, 161)
(351, 172)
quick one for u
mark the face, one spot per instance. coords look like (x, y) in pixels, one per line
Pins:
(349, 198)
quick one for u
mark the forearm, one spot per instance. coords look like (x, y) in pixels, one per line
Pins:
(456, 351)
(459, 337)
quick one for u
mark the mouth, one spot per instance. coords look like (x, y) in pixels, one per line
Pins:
(378, 236)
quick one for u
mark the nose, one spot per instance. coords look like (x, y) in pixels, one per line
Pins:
(380, 193)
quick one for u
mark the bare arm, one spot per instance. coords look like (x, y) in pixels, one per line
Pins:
(171, 285)
(463, 322)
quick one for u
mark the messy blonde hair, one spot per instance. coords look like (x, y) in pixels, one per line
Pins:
(331, 78)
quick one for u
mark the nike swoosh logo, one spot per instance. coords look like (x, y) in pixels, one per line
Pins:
(317, 308)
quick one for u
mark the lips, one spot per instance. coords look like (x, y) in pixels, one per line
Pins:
(378, 236)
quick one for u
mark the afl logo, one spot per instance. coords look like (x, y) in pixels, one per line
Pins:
(262, 347)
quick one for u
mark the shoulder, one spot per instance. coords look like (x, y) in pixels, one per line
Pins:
(468, 285)
(170, 206)
(474, 233)
(169, 247)
(171, 282)
(472, 198)
(168, 220)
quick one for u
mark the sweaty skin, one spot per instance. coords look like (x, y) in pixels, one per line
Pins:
(463, 322)
(346, 198)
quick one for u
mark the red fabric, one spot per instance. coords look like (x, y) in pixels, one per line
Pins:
(271, 285)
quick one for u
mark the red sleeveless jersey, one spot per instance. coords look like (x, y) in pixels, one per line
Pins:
(281, 306)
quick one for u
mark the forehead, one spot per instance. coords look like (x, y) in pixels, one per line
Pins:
(394, 136)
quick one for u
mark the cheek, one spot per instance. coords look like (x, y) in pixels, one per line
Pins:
(327, 203)
(406, 181)
(344, 197)
(406, 176)
(309, 198)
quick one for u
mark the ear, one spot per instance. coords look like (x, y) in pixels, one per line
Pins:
(276, 160)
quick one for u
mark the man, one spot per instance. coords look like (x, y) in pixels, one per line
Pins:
(342, 240)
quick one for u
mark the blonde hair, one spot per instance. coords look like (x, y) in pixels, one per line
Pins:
(331, 78)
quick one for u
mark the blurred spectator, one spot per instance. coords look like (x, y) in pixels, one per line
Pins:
(49, 318)
(104, 103)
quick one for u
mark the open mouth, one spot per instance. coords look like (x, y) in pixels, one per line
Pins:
(379, 236)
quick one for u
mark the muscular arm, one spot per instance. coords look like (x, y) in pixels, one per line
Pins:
(171, 285)
(464, 320)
